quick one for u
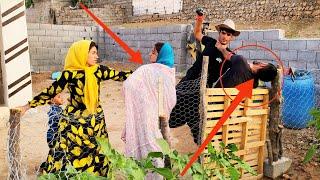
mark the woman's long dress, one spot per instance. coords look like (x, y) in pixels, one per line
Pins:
(76, 144)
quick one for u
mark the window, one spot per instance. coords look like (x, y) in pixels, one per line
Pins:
(143, 7)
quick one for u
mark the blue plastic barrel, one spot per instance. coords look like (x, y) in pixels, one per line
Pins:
(299, 99)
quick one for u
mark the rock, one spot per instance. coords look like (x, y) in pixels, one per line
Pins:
(316, 13)
(286, 176)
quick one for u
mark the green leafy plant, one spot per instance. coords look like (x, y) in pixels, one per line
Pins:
(314, 147)
(122, 167)
(226, 161)
(29, 3)
(74, 3)
(87, 3)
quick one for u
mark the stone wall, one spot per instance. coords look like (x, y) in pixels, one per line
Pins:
(254, 11)
(117, 12)
(109, 14)
(49, 43)
(40, 13)
(242, 11)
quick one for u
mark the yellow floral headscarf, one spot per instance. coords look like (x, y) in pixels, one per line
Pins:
(76, 59)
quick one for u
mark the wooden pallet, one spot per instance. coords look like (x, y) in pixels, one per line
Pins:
(246, 126)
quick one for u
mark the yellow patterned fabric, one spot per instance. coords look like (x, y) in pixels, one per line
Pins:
(77, 129)
(76, 59)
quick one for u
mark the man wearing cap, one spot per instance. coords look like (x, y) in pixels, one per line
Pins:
(235, 71)
(226, 32)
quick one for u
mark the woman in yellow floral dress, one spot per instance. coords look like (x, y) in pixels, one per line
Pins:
(83, 118)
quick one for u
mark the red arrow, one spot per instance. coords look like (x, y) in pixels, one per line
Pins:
(245, 90)
(135, 56)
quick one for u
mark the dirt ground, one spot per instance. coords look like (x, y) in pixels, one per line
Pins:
(34, 125)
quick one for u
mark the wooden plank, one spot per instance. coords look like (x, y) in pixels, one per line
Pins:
(254, 112)
(248, 157)
(214, 107)
(251, 103)
(219, 107)
(245, 108)
(254, 132)
(253, 150)
(253, 163)
(235, 140)
(264, 127)
(231, 121)
(243, 143)
(237, 127)
(235, 134)
(215, 98)
(254, 138)
(257, 97)
(256, 119)
(262, 148)
(254, 126)
(255, 144)
(208, 130)
(219, 114)
(233, 91)
(248, 176)
(225, 134)
(217, 137)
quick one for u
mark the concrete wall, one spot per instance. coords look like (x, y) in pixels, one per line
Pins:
(299, 53)
(49, 43)
(144, 40)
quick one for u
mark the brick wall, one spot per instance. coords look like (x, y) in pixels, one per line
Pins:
(49, 43)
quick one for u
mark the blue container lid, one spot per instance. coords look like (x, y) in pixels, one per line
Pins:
(300, 75)
(55, 75)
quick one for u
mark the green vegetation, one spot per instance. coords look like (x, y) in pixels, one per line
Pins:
(227, 164)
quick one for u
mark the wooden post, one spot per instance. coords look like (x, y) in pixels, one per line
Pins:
(269, 148)
(203, 101)
(275, 120)
(14, 147)
(163, 121)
